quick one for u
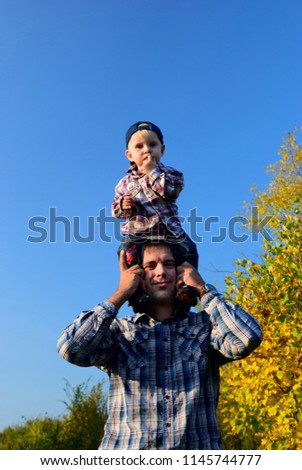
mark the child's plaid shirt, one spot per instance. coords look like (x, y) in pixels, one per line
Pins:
(155, 198)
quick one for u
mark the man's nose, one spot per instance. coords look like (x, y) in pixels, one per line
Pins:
(160, 269)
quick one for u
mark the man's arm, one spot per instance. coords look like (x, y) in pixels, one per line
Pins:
(235, 333)
(91, 337)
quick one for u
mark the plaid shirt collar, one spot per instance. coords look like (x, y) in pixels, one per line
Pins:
(144, 318)
(138, 174)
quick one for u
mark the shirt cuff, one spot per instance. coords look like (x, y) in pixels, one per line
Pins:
(207, 297)
(108, 309)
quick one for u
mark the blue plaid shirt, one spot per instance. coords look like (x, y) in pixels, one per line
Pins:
(164, 376)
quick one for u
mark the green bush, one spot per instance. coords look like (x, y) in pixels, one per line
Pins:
(81, 428)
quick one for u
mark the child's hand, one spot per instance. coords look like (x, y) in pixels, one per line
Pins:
(128, 203)
(148, 165)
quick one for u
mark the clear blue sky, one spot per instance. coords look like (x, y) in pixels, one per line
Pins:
(222, 78)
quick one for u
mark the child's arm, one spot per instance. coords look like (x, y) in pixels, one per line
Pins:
(166, 181)
(123, 206)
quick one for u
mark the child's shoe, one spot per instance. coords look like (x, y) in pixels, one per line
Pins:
(187, 296)
(140, 301)
(132, 255)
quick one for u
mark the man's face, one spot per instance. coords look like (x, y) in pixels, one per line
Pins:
(159, 273)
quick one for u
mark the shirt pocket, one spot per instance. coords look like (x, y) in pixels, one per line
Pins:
(133, 190)
(193, 342)
(134, 350)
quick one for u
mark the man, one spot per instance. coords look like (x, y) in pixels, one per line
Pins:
(163, 364)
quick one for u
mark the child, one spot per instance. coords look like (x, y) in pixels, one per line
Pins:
(146, 198)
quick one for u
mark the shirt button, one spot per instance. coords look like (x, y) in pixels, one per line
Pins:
(168, 425)
(167, 397)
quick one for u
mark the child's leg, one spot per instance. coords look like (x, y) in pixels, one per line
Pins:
(185, 250)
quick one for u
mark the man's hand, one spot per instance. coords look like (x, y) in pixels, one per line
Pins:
(129, 281)
(188, 275)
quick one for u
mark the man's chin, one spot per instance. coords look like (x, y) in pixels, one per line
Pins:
(163, 297)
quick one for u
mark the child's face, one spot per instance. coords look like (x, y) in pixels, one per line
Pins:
(145, 148)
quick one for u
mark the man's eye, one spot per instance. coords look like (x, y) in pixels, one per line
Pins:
(170, 264)
(150, 266)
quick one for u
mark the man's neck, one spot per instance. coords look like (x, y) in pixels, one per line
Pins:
(162, 312)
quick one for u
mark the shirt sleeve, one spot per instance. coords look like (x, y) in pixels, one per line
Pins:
(166, 181)
(116, 207)
(91, 338)
(235, 333)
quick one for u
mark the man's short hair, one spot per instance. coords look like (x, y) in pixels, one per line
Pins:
(159, 243)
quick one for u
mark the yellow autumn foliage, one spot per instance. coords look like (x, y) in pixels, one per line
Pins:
(261, 396)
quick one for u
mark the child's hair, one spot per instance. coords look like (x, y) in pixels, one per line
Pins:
(143, 132)
(140, 125)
